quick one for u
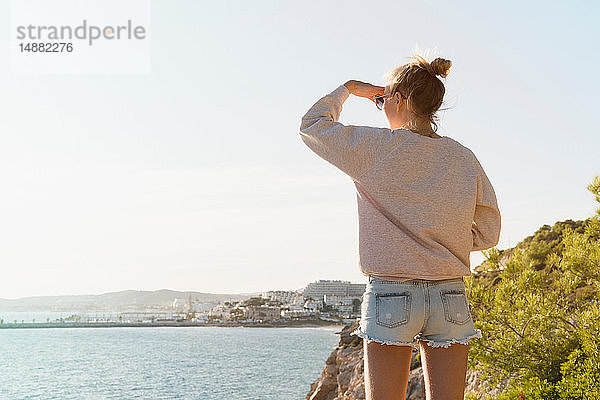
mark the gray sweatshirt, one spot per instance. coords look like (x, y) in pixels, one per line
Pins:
(434, 187)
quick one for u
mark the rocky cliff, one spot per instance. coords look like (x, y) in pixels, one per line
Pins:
(343, 375)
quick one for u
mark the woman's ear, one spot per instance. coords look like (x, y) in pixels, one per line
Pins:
(398, 100)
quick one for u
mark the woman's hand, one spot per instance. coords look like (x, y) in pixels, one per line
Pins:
(363, 89)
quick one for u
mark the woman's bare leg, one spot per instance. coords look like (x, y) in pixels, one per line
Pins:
(444, 370)
(386, 370)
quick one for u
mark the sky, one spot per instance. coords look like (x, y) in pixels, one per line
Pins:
(193, 176)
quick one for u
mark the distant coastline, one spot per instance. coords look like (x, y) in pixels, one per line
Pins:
(284, 324)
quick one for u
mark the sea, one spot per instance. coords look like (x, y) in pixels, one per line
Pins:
(160, 362)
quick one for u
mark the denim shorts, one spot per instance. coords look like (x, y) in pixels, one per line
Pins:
(400, 313)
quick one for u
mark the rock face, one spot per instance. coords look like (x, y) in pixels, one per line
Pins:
(343, 375)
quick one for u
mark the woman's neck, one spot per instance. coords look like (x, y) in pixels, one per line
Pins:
(424, 132)
(422, 128)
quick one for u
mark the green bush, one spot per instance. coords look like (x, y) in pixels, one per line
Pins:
(581, 371)
(539, 312)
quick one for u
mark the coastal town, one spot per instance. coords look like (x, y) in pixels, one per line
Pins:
(323, 302)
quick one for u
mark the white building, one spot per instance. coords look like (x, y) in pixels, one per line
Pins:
(313, 305)
(344, 304)
(295, 311)
(283, 296)
(179, 304)
(317, 290)
(333, 300)
(220, 311)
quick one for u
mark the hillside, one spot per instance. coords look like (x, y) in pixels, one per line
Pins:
(113, 301)
(546, 239)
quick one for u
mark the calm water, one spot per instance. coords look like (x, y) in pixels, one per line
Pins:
(162, 363)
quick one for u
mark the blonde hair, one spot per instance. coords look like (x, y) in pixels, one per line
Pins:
(417, 82)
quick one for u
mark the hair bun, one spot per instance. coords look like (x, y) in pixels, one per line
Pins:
(441, 66)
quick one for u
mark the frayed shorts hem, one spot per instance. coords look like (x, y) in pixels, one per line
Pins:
(430, 343)
(446, 344)
(369, 339)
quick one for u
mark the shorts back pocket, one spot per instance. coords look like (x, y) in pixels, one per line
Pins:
(456, 308)
(392, 309)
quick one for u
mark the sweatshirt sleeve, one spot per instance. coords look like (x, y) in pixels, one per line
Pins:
(353, 149)
(486, 221)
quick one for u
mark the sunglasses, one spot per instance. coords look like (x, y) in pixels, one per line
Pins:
(380, 100)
